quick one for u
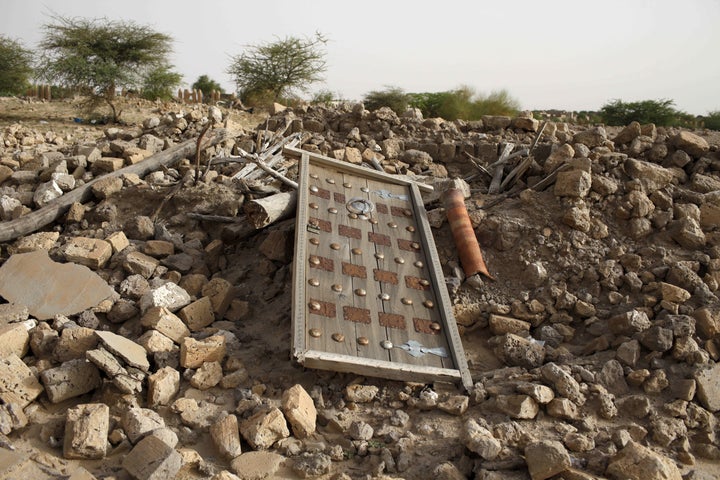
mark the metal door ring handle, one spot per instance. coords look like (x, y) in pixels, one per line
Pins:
(360, 206)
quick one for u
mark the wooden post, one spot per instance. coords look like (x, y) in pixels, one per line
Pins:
(48, 94)
(180, 95)
(263, 211)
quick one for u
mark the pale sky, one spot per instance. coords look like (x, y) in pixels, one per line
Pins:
(562, 54)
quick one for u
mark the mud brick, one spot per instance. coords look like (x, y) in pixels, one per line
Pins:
(322, 263)
(379, 239)
(194, 353)
(322, 225)
(416, 283)
(400, 212)
(86, 431)
(17, 382)
(326, 309)
(264, 428)
(221, 293)
(198, 315)
(118, 241)
(300, 411)
(353, 270)
(139, 422)
(91, 252)
(354, 314)
(350, 232)
(106, 165)
(14, 339)
(71, 379)
(381, 208)
(140, 264)
(165, 322)
(392, 320)
(152, 459)
(422, 325)
(163, 385)
(159, 248)
(339, 198)
(385, 276)
(226, 436)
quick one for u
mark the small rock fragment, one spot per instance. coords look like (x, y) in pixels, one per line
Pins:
(86, 431)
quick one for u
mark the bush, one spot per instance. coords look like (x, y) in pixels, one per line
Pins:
(393, 97)
(160, 83)
(712, 120)
(323, 96)
(15, 67)
(464, 103)
(659, 112)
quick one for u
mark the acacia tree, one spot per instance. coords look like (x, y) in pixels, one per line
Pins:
(15, 66)
(279, 67)
(98, 56)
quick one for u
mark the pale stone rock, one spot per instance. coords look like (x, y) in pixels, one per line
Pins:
(91, 252)
(651, 176)
(163, 385)
(636, 462)
(264, 428)
(257, 465)
(207, 375)
(118, 241)
(14, 340)
(361, 393)
(500, 324)
(165, 322)
(480, 440)
(221, 293)
(300, 411)
(46, 193)
(132, 353)
(137, 263)
(693, 144)
(106, 187)
(86, 431)
(708, 387)
(153, 341)
(226, 437)
(169, 295)
(194, 353)
(71, 379)
(546, 459)
(152, 459)
(18, 384)
(563, 382)
(74, 342)
(573, 183)
(198, 315)
(518, 406)
(139, 422)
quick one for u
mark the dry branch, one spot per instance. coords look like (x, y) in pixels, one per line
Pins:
(263, 211)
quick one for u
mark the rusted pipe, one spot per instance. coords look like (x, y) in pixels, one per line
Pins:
(468, 247)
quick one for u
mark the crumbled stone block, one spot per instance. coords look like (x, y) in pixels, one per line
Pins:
(264, 428)
(106, 165)
(14, 339)
(226, 436)
(120, 376)
(277, 246)
(636, 462)
(455, 404)
(46, 193)
(239, 310)
(480, 440)
(132, 353)
(106, 187)
(198, 315)
(546, 459)
(651, 176)
(517, 406)
(629, 323)
(563, 382)
(693, 144)
(300, 411)
(86, 431)
(193, 283)
(165, 322)
(221, 293)
(138, 263)
(562, 408)
(194, 353)
(708, 387)
(154, 341)
(257, 464)
(91, 252)
(207, 375)
(139, 422)
(159, 248)
(17, 382)
(118, 241)
(573, 183)
(152, 459)
(515, 350)
(358, 393)
(133, 155)
(500, 325)
(163, 385)
(542, 394)
(169, 295)
(74, 342)
(13, 313)
(71, 379)
(36, 241)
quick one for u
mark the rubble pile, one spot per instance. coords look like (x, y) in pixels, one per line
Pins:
(164, 351)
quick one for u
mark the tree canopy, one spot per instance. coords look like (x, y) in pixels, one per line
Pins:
(279, 67)
(660, 112)
(16, 66)
(98, 56)
(206, 85)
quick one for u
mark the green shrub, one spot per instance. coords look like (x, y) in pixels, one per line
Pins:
(712, 120)
(206, 85)
(160, 84)
(16, 67)
(659, 112)
(464, 103)
(393, 97)
(323, 96)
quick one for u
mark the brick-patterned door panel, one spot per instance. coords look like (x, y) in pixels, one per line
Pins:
(368, 291)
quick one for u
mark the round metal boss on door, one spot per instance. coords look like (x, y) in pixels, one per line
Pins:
(314, 282)
(337, 288)
(363, 341)
(386, 344)
(338, 337)
(406, 301)
(360, 206)
(315, 332)
(314, 241)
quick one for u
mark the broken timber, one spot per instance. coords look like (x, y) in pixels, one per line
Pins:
(369, 295)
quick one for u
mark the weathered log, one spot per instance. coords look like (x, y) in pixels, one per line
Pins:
(33, 221)
(262, 212)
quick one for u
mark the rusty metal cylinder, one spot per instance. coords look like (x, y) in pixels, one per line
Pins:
(467, 245)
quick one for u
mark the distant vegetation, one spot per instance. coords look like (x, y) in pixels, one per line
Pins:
(660, 112)
(16, 67)
(464, 102)
(207, 85)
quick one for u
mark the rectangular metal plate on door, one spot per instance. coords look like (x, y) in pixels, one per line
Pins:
(368, 290)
